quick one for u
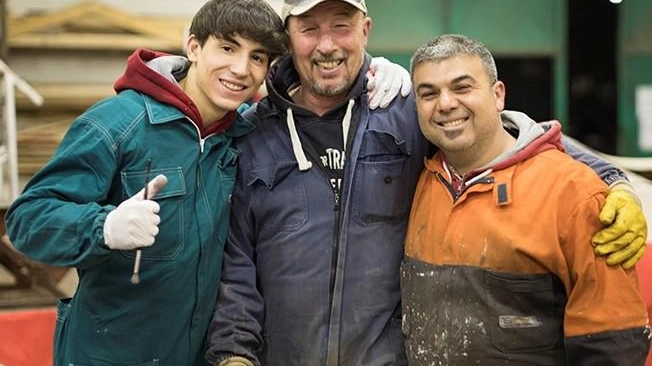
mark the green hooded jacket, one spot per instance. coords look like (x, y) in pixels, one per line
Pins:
(59, 219)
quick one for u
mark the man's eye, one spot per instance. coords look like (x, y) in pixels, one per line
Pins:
(260, 59)
(462, 88)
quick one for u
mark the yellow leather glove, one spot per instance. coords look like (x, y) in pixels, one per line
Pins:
(623, 240)
(236, 361)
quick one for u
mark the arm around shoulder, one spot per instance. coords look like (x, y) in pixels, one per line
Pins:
(623, 238)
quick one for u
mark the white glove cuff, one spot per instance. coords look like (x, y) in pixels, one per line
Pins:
(107, 230)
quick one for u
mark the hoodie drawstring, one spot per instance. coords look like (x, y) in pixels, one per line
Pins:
(304, 164)
(346, 122)
(297, 148)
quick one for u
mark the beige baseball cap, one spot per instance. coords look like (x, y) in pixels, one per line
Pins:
(298, 7)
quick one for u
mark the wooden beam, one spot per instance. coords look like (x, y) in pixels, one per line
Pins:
(94, 41)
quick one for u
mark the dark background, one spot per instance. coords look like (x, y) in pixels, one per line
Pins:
(592, 53)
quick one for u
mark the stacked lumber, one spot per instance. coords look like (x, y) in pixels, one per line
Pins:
(95, 32)
(57, 97)
(41, 129)
(37, 143)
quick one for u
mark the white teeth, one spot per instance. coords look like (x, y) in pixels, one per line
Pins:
(452, 123)
(231, 86)
(328, 64)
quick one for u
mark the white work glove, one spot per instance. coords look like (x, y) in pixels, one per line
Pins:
(134, 223)
(236, 361)
(384, 81)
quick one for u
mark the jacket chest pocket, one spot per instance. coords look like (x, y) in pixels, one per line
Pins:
(381, 187)
(170, 239)
(280, 200)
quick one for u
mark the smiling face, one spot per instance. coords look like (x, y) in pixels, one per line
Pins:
(458, 106)
(328, 46)
(225, 72)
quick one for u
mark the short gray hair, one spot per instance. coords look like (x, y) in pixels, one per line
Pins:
(450, 45)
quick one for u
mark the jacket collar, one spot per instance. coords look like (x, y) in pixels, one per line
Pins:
(159, 113)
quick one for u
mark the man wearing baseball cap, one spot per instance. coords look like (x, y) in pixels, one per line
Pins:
(311, 269)
(320, 210)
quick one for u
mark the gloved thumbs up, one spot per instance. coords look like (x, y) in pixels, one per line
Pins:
(154, 186)
(134, 223)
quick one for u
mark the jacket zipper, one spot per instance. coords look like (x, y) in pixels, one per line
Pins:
(336, 245)
(202, 142)
(463, 187)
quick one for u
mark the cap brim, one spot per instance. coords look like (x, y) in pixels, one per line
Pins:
(300, 9)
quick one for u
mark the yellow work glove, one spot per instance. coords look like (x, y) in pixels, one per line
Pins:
(623, 240)
(236, 361)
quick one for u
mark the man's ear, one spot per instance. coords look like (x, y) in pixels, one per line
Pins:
(366, 29)
(499, 94)
(192, 48)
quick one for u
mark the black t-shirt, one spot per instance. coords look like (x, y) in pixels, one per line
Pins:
(321, 138)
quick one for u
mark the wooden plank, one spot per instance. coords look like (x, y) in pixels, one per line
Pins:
(37, 143)
(90, 41)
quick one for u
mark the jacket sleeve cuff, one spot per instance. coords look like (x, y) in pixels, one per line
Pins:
(615, 176)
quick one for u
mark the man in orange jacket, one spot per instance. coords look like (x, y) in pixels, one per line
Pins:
(499, 267)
